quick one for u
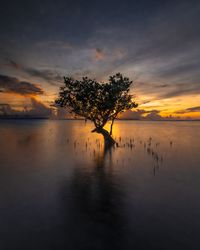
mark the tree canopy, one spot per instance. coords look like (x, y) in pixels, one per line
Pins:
(95, 101)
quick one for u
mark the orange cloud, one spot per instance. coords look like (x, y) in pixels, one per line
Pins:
(99, 54)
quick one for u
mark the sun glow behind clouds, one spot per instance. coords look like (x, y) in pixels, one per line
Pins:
(178, 107)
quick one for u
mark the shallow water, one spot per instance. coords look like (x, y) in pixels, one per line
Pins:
(59, 188)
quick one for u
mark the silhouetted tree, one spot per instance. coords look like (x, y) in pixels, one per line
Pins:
(98, 102)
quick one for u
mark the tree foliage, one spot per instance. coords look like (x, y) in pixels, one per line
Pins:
(98, 102)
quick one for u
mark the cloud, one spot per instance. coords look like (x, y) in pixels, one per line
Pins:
(160, 47)
(149, 115)
(63, 113)
(111, 55)
(13, 85)
(99, 54)
(48, 75)
(141, 114)
(165, 49)
(163, 85)
(181, 89)
(55, 45)
(180, 69)
(192, 109)
(130, 114)
(13, 64)
(154, 115)
(38, 110)
(5, 109)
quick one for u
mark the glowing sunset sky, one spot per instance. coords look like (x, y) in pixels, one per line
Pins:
(155, 43)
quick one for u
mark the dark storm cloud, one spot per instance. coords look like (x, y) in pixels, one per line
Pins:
(13, 85)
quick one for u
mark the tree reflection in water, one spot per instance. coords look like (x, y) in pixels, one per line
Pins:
(93, 201)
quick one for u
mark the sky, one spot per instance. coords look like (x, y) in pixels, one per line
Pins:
(155, 43)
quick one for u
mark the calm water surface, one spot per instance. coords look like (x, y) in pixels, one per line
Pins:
(59, 188)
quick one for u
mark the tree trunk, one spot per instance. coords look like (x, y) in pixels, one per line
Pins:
(111, 126)
(109, 141)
